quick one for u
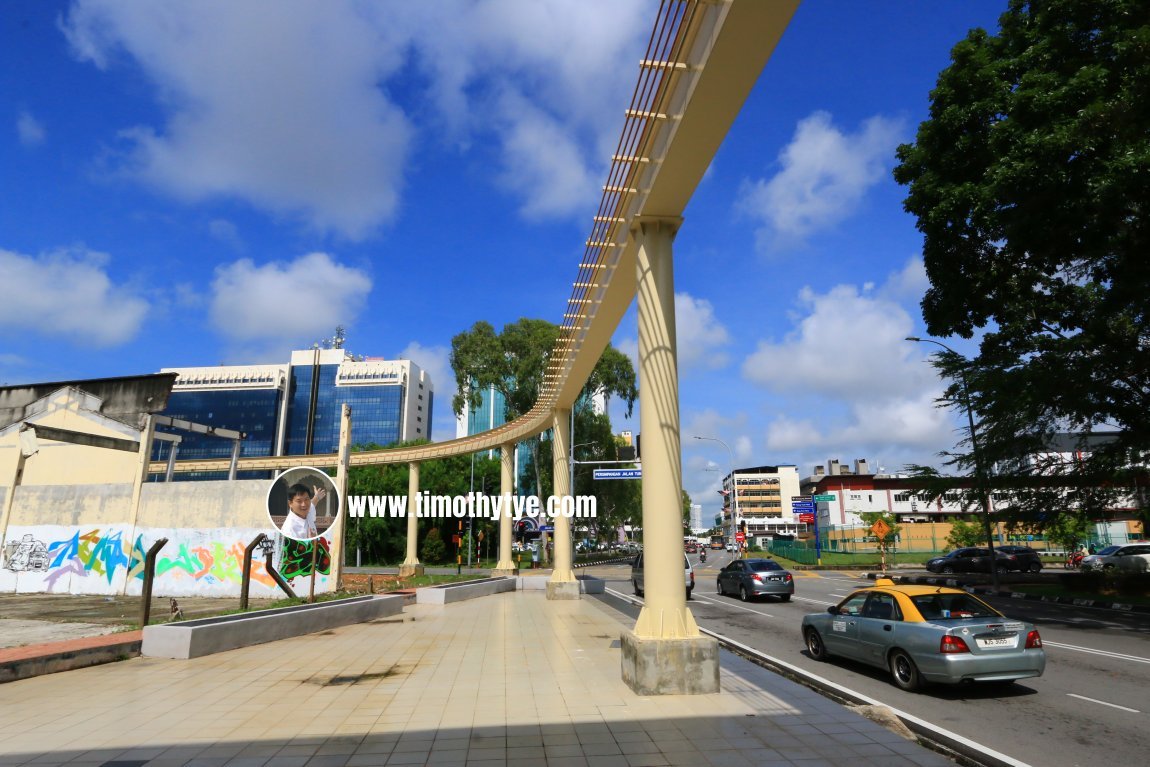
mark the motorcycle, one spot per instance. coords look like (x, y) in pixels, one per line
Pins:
(703, 556)
(1074, 561)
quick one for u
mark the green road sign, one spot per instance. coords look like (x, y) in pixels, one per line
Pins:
(823, 498)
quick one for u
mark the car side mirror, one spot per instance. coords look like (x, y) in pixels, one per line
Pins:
(833, 609)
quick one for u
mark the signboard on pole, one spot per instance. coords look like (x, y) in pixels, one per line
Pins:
(618, 473)
(740, 537)
(823, 498)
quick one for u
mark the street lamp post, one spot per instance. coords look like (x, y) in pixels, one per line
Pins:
(734, 489)
(979, 473)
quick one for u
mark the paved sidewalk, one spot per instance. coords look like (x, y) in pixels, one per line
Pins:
(510, 679)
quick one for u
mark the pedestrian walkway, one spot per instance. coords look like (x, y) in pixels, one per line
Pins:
(510, 679)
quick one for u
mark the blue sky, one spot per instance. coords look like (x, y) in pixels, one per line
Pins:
(194, 183)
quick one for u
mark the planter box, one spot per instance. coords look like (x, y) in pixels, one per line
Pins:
(457, 592)
(204, 636)
(587, 584)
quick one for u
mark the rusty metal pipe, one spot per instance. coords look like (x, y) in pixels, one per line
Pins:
(275, 574)
(246, 582)
(149, 575)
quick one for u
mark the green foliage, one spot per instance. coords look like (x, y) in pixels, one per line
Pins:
(1029, 185)
(963, 533)
(383, 540)
(513, 363)
(434, 550)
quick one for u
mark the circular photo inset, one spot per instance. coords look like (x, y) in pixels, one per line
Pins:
(303, 503)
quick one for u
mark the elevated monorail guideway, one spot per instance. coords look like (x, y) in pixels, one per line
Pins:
(702, 60)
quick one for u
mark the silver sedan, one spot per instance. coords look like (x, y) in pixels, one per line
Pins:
(926, 634)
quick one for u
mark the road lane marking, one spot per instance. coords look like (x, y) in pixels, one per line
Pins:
(840, 596)
(812, 601)
(1092, 651)
(737, 607)
(1104, 703)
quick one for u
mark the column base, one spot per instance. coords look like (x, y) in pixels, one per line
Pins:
(407, 571)
(511, 571)
(563, 590)
(670, 666)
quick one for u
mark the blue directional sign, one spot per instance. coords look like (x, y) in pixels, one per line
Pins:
(803, 505)
(618, 473)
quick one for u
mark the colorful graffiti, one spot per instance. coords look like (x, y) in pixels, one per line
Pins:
(297, 558)
(104, 552)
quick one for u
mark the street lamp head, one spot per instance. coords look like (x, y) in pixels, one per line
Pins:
(912, 338)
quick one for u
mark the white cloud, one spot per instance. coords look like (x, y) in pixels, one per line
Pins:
(68, 293)
(313, 114)
(849, 345)
(909, 284)
(277, 305)
(699, 336)
(435, 361)
(29, 129)
(226, 232)
(850, 381)
(824, 175)
(282, 110)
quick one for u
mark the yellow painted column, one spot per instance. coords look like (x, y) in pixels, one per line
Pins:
(341, 478)
(505, 565)
(665, 614)
(562, 572)
(665, 654)
(411, 565)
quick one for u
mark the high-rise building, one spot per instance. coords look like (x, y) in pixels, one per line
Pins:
(294, 408)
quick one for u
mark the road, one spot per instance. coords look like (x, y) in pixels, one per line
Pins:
(1092, 705)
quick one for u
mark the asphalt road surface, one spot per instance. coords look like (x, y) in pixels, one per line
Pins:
(1091, 707)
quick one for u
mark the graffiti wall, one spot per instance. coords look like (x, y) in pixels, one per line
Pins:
(89, 553)
(104, 560)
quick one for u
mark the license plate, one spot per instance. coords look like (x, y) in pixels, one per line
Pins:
(997, 641)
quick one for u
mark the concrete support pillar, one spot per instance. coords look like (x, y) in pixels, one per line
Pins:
(411, 565)
(505, 565)
(563, 584)
(336, 532)
(666, 653)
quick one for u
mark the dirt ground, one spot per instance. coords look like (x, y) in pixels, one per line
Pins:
(36, 618)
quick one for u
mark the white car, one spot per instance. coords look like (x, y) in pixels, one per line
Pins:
(1133, 557)
(730, 547)
(637, 575)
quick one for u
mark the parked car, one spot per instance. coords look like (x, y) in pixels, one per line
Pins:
(751, 578)
(1028, 559)
(926, 634)
(637, 575)
(974, 559)
(1133, 557)
(730, 547)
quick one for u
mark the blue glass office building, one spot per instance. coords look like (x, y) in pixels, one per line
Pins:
(294, 409)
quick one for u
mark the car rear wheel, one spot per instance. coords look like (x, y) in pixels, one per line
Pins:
(1035, 567)
(905, 673)
(743, 594)
(784, 597)
(815, 646)
(719, 588)
(1002, 569)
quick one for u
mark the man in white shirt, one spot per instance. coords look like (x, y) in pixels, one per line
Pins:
(300, 521)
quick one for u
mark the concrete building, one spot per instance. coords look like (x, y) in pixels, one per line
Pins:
(294, 408)
(761, 496)
(76, 516)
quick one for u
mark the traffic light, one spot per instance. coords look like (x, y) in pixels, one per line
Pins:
(638, 446)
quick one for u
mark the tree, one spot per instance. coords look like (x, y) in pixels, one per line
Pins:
(1029, 184)
(383, 540)
(433, 551)
(513, 363)
(963, 533)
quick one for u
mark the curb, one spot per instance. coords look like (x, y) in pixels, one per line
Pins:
(41, 659)
(953, 583)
